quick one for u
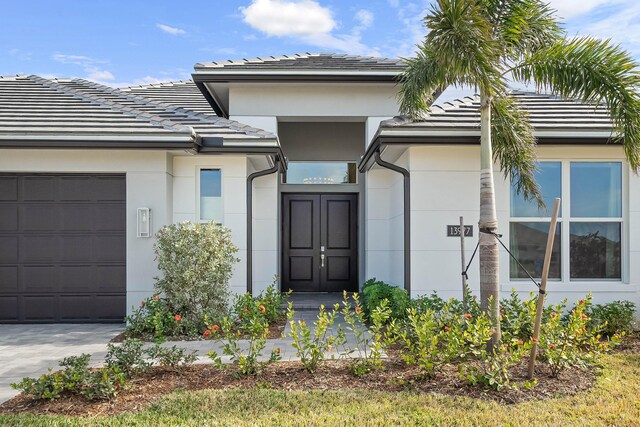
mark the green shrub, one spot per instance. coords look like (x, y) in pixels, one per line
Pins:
(171, 357)
(75, 378)
(374, 292)
(564, 345)
(154, 318)
(103, 383)
(127, 357)
(311, 346)
(254, 329)
(431, 340)
(196, 262)
(493, 370)
(613, 318)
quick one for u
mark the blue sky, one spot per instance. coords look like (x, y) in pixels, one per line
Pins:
(134, 42)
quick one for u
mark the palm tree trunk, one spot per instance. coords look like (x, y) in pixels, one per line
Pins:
(489, 260)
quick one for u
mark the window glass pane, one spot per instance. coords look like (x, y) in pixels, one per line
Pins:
(321, 173)
(595, 250)
(596, 189)
(549, 177)
(211, 195)
(527, 242)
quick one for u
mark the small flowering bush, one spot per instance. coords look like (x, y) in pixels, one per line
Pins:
(196, 261)
(365, 345)
(269, 304)
(156, 319)
(246, 356)
(570, 343)
(493, 370)
(431, 340)
(311, 346)
(75, 378)
(612, 318)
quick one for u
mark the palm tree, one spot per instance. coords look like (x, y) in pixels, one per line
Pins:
(486, 43)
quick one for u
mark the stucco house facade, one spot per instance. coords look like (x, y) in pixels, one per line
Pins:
(304, 158)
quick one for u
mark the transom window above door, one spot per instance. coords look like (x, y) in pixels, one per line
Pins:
(320, 173)
(588, 243)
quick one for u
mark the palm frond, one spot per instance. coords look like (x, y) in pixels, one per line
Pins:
(593, 71)
(514, 146)
(524, 25)
(460, 39)
(421, 83)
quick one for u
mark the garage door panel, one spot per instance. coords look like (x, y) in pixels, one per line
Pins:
(8, 308)
(41, 308)
(8, 279)
(108, 217)
(109, 248)
(40, 217)
(62, 248)
(8, 249)
(8, 188)
(110, 307)
(39, 248)
(110, 188)
(77, 217)
(77, 278)
(9, 218)
(40, 279)
(110, 279)
(38, 189)
(76, 248)
(77, 188)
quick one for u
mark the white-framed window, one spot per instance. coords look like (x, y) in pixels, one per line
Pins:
(210, 203)
(307, 172)
(589, 235)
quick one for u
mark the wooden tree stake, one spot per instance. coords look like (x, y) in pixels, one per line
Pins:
(464, 265)
(543, 287)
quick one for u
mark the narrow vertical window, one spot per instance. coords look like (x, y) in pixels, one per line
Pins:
(211, 208)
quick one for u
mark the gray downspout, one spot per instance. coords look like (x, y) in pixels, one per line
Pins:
(407, 216)
(250, 178)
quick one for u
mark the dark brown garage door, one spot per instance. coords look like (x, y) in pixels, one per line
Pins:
(62, 248)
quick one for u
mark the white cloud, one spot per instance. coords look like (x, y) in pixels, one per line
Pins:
(364, 17)
(621, 26)
(394, 3)
(93, 68)
(306, 21)
(288, 18)
(100, 75)
(174, 31)
(568, 9)
(20, 54)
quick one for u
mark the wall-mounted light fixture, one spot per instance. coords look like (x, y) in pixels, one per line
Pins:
(144, 222)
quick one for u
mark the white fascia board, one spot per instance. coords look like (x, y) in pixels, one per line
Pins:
(444, 133)
(295, 72)
(89, 137)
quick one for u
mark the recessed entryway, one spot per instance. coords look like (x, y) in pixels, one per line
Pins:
(320, 242)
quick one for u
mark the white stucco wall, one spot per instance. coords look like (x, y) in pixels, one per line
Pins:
(185, 201)
(149, 184)
(265, 230)
(313, 99)
(445, 185)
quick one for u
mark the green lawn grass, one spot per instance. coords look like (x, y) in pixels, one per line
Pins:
(615, 400)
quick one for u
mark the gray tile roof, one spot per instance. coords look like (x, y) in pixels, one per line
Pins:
(182, 93)
(168, 107)
(546, 112)
(307, 61)
(33, 108)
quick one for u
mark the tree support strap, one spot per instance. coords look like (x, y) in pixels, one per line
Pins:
(498, 236)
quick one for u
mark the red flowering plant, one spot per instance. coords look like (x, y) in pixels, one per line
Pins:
(154, 319)
(565, 341)
(270, 304)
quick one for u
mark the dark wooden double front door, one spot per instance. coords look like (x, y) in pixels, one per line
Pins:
(320, 242)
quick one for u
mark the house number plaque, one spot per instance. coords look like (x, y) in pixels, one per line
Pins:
(454, 231)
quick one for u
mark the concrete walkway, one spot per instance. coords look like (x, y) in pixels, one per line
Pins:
(29, 350)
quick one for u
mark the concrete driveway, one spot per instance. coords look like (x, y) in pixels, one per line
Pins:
(29, 350)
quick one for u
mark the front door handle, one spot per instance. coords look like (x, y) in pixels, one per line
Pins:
(321, 260)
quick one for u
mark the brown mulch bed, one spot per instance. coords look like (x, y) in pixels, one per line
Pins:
(332, 375)
(275, 331)
(630, 344)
